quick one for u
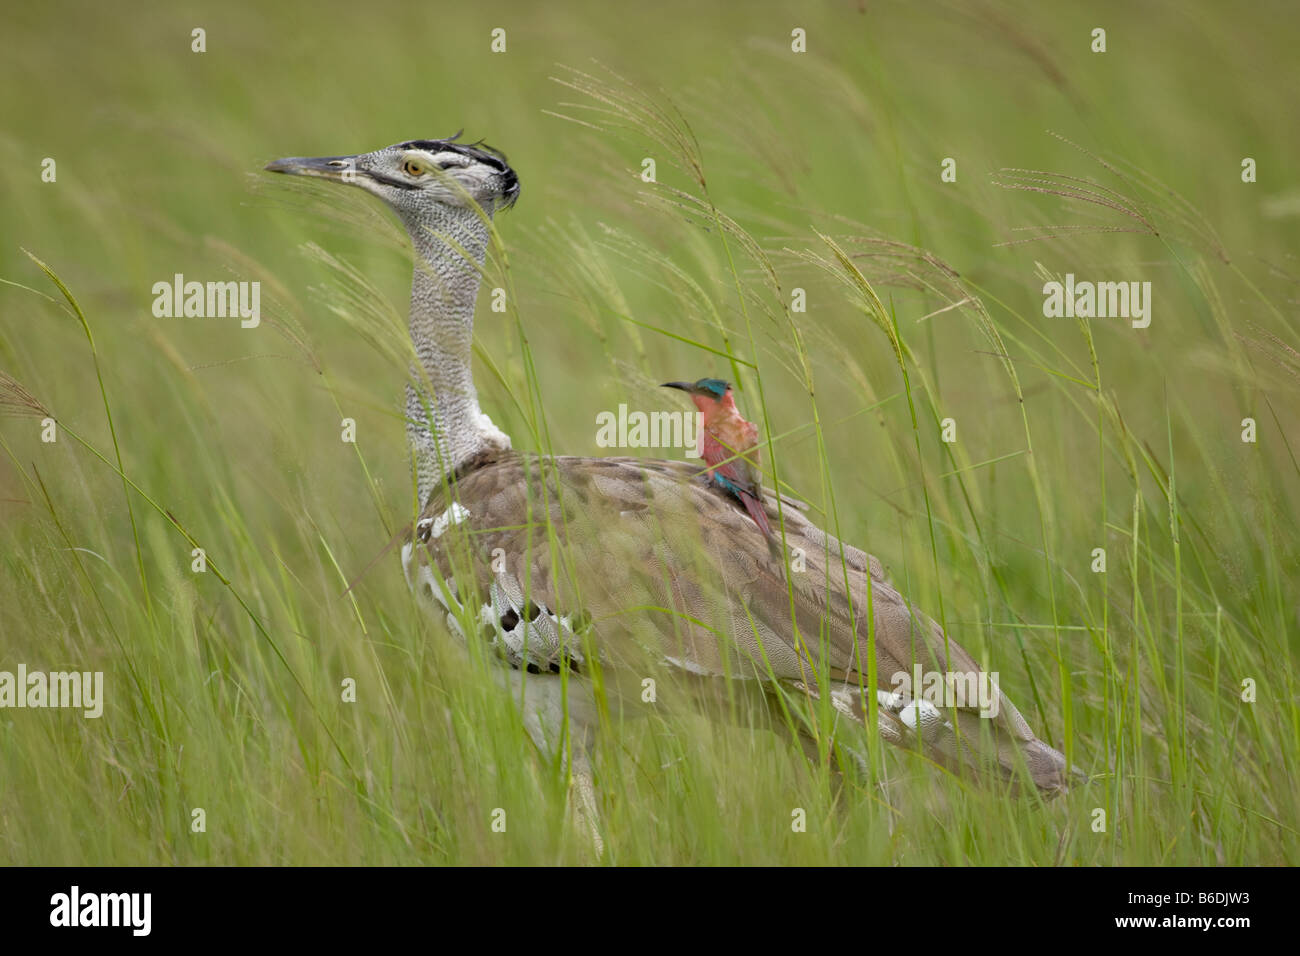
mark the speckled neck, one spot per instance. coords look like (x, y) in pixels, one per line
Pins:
(445, 425)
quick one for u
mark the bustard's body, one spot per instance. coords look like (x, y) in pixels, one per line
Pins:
(709, 595)
(556, 561)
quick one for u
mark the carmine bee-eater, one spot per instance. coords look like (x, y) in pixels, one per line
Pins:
(726, 435)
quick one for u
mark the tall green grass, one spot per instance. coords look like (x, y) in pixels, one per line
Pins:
(776, 171)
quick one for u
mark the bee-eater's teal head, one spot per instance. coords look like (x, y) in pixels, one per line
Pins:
(709, 394)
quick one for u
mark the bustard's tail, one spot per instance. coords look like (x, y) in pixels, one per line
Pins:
(1002, 748)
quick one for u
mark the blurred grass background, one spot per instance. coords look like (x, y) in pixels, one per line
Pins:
(1135, 435)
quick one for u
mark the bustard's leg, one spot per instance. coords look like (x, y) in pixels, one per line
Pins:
(542, 697)
(582, 791)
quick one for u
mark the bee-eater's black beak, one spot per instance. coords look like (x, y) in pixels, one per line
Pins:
(684, 386)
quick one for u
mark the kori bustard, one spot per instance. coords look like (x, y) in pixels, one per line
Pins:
(562, 564)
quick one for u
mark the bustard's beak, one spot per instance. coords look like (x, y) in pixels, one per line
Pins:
(325, 167)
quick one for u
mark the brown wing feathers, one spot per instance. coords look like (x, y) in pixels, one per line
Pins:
(556, 543)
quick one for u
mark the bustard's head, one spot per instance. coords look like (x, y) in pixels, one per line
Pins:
(416, 176)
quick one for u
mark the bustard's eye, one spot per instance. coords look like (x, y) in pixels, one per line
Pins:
(412, 168)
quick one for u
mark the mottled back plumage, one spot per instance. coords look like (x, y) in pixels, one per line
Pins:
(647, 534)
